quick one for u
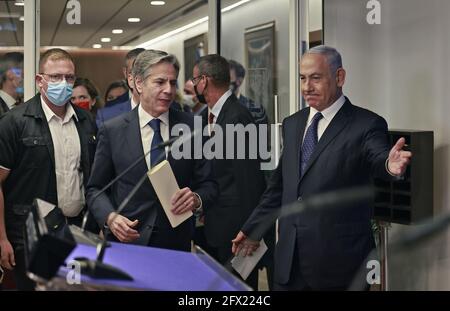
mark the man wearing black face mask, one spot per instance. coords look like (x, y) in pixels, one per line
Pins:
(237, 75)
(47, 147)
(118, 107)
(11, 77)
(241, 182)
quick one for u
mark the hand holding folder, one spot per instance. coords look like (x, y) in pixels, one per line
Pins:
(166, 186)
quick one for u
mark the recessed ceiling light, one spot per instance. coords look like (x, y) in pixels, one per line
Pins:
(157, 2)
(97, 46)
(117, 31)
(19, 3)
(21, 18)
(134, 20)
(105, 39)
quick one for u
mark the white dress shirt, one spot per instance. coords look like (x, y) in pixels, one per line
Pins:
(67, 148)
(218, 107)
(147, 132)
(133, 104)
(328, 115)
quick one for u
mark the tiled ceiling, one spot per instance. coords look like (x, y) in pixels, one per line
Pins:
(98, 19)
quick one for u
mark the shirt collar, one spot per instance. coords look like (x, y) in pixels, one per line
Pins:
(329, 113)
(145, 117)
(218, 106)
(133, 103)
(9, 100)
(49, 114)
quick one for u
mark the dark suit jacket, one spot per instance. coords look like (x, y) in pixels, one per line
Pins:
(3, 106)
(26, 147)
(110, 112)
(241, 182)
(120, 145)
(332, 244)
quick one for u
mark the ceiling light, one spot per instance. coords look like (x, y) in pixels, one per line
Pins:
(19, 3)
(169, 34)
(21, 18)
(123, 47)
(117, 31)
(134, 20)
(97, 46)
(157, 2)
(230, 7)
(105, 39)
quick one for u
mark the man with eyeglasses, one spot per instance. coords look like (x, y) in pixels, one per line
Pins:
(126, 139)
(241, 182)
(46, 150)
(11, 80)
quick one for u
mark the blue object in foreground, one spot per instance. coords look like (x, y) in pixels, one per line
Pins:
(159, 269)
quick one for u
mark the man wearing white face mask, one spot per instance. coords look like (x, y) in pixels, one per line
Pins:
(191, 100)
(47, 147)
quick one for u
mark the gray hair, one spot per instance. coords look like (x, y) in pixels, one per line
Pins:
(149, 58)
(333, 57)
(216, 67)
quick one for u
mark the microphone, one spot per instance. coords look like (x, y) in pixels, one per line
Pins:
(96, 268)
(80, 234)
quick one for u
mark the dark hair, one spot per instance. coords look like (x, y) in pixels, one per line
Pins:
(215, 67)
(132, 54)
(92, 91)
(238, 68)
(54, 54)
(90, 87)
(115, 85)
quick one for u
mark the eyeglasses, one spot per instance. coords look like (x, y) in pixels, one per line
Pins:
(57, 77)
(196, 79)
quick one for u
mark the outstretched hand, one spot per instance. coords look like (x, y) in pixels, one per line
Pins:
(398, 159)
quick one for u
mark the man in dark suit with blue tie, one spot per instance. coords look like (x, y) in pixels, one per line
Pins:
(329, 146)
(123, 140)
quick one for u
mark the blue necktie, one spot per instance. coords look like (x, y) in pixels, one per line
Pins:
(158, 154)
(309, 143)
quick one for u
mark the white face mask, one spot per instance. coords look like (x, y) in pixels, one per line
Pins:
(188, 100)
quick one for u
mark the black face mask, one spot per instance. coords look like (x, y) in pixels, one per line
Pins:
(122, 98)
(201, 98)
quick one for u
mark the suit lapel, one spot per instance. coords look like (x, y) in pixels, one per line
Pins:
(338, 123)
(133, 140)
(223, 112)
(3, 106)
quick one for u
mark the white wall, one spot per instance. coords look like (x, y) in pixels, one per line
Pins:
(400, 69)
(315, 15)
